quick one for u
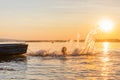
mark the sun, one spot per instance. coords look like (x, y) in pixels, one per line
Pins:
(106, 25)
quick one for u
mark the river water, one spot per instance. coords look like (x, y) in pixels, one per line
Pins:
(102, 64)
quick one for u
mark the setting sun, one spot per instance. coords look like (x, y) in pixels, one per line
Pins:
(106, 25)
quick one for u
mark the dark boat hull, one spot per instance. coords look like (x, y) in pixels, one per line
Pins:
(13, 49)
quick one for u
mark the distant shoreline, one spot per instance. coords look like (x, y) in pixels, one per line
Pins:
(97, 40)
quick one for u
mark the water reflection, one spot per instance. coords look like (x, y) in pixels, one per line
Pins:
(105, 68)
(15, 58)
(13, 67)
(105, 47)
(106, 63)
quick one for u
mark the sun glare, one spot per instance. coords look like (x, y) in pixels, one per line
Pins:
(106, 25)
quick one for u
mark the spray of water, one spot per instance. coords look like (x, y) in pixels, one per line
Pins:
(69, 50)
(89, 43)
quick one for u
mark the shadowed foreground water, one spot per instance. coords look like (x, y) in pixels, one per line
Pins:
(104, 65)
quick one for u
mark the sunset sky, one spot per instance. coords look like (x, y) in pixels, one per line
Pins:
(56, 19)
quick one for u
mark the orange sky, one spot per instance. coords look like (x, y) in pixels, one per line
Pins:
(56, 19)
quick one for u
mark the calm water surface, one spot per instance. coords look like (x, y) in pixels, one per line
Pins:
(102, 65)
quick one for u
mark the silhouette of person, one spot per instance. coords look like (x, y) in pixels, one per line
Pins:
(64, 51)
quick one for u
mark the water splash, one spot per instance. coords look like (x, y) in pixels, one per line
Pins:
(89, 43)
(69, 49)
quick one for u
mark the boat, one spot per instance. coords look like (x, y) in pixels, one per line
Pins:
(13, 48)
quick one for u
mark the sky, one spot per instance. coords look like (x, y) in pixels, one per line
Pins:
(56, 19)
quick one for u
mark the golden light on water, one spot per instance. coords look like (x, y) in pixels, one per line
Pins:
(105, 59)
(105, 47)
(105, 63)
(106, 68)
(106, 25)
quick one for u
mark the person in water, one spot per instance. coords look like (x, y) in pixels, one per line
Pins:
(64, 51)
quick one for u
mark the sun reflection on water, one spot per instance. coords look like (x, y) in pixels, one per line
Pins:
(106, 64)
(105, 47)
